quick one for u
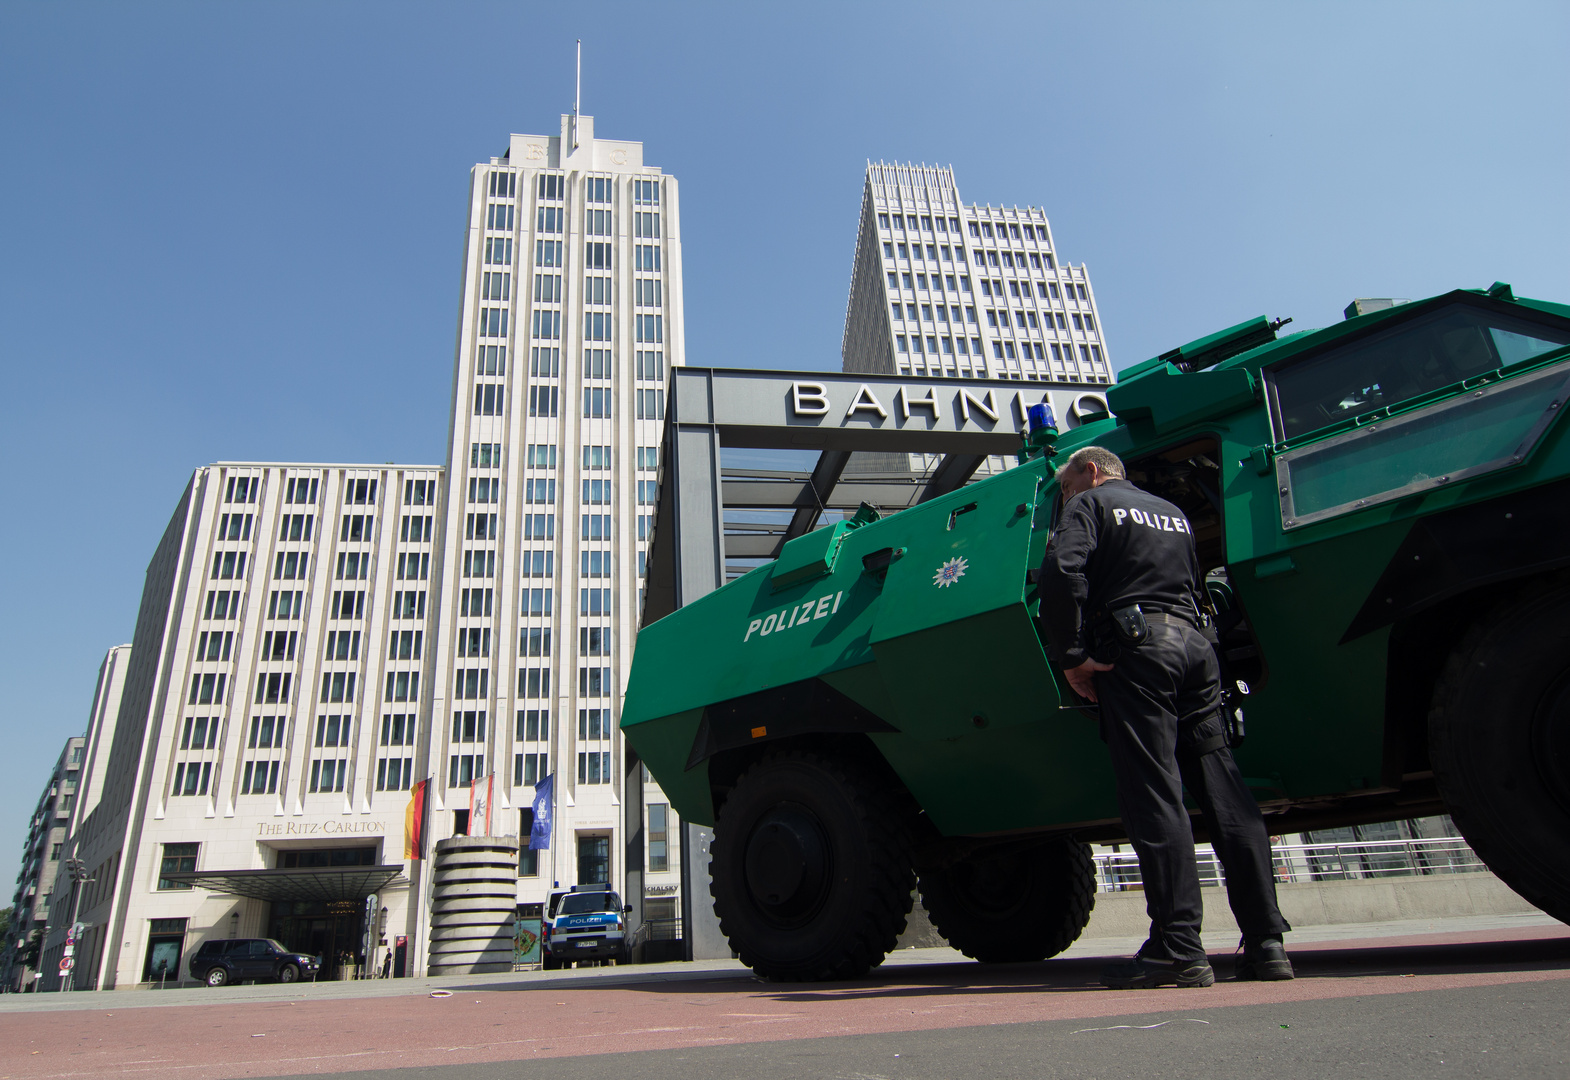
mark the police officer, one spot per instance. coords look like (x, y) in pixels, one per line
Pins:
(1120, 613)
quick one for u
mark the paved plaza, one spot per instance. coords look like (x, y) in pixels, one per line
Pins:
(1485, 996)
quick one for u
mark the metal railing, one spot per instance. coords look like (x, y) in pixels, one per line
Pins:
(1352, 860)
(658, 930)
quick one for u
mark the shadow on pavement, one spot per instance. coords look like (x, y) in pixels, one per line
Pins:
(1070, 974)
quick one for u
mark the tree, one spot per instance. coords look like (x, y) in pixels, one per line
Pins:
(33, 949)
(5, 922)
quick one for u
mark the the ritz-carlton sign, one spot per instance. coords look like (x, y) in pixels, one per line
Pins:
(330, 827)
(968, 404)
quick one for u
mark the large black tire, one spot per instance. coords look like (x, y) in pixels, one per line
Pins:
(216, 977)
(288, 973)
(812, 869)
(1019, 905)
(1499, 739)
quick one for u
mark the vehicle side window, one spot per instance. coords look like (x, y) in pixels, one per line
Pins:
(1417, 356)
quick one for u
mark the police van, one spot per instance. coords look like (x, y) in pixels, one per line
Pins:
(587, 922)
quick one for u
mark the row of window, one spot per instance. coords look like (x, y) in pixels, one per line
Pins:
(553, 186)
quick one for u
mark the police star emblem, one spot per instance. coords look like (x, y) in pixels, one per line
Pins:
(950, 572)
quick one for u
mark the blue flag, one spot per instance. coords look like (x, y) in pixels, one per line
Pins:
(544, 797)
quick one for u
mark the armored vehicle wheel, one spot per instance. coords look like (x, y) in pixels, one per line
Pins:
(811, 867)
(1499, 739)
(1020, 905)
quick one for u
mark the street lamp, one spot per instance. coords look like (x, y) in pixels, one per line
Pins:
(78, 871)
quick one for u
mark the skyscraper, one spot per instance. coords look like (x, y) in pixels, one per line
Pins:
(940, 288)
(571, 314)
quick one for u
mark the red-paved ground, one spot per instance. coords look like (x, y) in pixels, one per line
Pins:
(543, 1019)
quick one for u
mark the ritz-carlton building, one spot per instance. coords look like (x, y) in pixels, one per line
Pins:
(255, 779)
(314, 639)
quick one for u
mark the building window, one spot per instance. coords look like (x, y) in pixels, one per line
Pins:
(394, 774)
(260, 778)
(651, 404)
(594, 682)
(534, 682)
(594, 859)
(199, 734)
(328, 776)
(543, 400)
(178, 859)
(594, 767)
(463, 769)
(190, 777)
(649, 329)
(659, 837)
(469, 726)
(529, 859)
(528, 769)
(535, 640)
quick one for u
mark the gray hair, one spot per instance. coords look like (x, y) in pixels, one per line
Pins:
(1105, 461)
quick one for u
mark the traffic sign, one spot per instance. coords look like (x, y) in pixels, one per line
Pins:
(66, 963)
(70, 950)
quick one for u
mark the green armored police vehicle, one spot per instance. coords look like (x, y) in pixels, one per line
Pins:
(1382, 509)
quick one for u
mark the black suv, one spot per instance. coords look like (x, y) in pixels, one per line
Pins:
(220, 962)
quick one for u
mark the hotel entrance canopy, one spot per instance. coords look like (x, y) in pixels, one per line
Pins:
(321, 883)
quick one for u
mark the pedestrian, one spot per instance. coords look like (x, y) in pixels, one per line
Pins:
(1120, 610)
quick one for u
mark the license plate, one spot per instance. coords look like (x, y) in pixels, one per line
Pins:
(584, 944)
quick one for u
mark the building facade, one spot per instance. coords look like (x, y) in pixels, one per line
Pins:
(940, 288)
(41, 860)
(571, 316)
(269, 724)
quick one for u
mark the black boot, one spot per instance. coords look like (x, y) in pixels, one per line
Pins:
(1142, 974)
(1263, 960)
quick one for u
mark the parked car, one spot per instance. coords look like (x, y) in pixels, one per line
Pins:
(236, 959)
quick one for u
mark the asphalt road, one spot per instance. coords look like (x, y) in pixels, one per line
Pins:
(1483, 1003)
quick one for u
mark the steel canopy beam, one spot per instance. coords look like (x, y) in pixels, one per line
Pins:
(825, 474)
(952, 473)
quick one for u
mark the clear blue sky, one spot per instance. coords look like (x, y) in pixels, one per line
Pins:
(233, 231)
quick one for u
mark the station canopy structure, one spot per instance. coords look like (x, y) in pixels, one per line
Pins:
(706, 515)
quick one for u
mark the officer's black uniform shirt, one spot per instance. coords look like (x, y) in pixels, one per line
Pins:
(1115, 545)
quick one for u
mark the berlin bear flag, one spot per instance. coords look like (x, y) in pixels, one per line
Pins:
(544, 795)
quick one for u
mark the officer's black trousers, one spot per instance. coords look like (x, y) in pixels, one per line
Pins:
(1172, 675)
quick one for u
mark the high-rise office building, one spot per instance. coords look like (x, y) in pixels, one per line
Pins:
(940, 288)
(571, 316)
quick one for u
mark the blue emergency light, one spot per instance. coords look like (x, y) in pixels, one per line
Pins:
(1040, 417)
